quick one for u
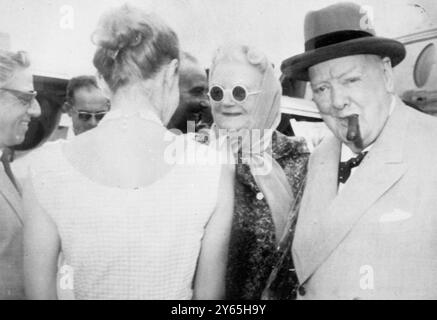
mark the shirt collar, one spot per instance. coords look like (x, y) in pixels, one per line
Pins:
(347, 153)
(70, 133)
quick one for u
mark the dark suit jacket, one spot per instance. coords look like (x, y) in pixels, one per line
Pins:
(11, 233)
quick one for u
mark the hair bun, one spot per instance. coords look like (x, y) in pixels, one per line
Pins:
(116, 31)
(132, 45)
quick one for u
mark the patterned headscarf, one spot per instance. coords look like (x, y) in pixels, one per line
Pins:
(267, 173)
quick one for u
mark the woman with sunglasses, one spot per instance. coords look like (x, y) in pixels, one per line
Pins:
(131, 222)
(270, 167)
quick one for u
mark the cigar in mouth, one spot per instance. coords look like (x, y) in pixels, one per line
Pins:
(353, 127)
(353, 131)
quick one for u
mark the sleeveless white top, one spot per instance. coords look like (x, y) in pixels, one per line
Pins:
(129, 243)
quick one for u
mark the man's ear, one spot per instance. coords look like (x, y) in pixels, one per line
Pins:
(388, 74)
(66, 108)
(172, 74)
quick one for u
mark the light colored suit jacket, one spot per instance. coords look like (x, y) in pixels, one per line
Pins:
(11, 234)
(377, 239)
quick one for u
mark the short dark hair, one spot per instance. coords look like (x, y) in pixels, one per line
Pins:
(77, 83)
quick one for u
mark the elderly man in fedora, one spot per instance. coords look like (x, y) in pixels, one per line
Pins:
(367, 226)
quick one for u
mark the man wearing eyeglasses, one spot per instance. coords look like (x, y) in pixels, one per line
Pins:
(17, 107)
(86, 104)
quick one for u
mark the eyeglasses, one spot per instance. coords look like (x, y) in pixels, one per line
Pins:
(86, 116)
(25, 97)
(239, 93)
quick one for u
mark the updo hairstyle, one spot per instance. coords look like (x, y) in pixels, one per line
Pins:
(132, 45)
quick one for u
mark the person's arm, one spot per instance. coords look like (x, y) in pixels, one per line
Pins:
(41, 248)
(211, 269)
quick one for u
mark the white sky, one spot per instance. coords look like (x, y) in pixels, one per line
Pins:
(275, 26)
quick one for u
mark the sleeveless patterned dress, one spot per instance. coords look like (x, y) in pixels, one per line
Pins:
(128, 243)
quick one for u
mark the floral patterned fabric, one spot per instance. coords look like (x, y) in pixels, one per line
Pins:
(252, 251)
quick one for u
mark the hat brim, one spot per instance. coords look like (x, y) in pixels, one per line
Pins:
(297, 66)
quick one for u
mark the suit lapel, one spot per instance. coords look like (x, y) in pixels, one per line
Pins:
(8, 191)
(320, 191)
(379, 171)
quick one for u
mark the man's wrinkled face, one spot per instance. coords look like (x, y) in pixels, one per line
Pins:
(193, 100)
(17, 107)
(89, 107)
(353, 85)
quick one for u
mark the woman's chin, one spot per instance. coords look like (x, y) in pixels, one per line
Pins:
(232, 123)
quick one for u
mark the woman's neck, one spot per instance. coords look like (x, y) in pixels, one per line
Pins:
(133, 99)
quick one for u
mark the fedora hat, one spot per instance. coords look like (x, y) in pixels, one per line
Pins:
(336, 31)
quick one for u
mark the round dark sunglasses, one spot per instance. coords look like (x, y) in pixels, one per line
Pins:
(238, 93)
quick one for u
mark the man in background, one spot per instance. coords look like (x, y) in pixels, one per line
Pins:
(85, 104)
(194, 107)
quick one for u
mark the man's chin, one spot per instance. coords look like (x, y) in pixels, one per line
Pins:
(15, 142)
(356, 146)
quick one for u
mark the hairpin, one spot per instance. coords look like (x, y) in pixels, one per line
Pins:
(137, 40)
(113, 53)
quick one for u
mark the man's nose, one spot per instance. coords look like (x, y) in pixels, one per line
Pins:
(339, 99)
(35, 109)
(93, 121)
(204, 103)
